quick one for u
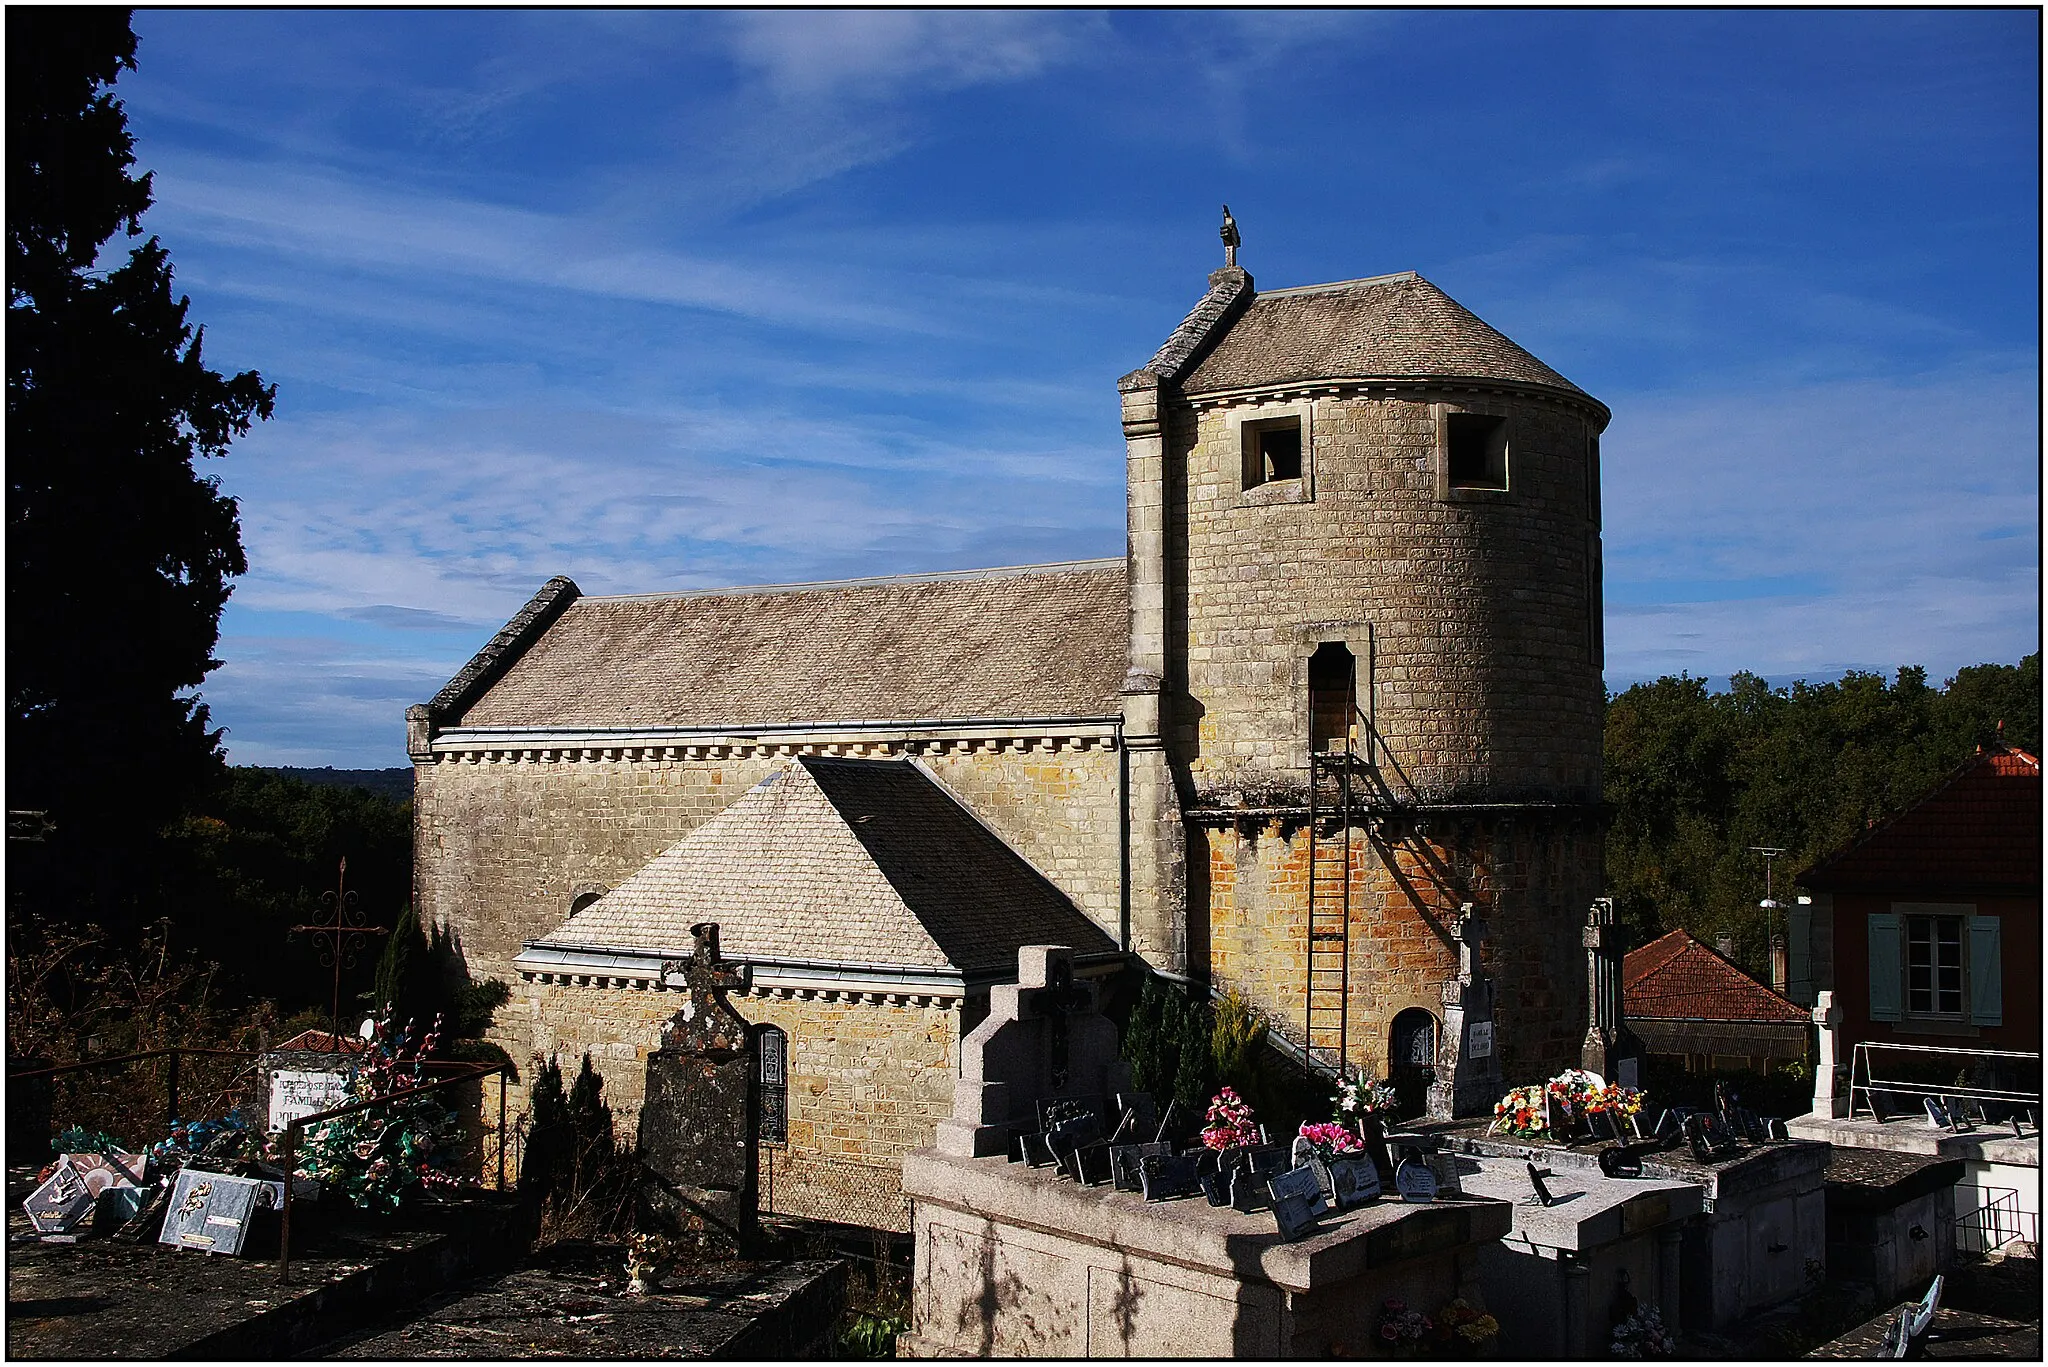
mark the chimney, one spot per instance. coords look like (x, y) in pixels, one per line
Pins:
(1780, 965)
(1725, 943)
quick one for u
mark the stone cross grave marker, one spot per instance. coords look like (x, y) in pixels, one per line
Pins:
(698, 1124)
(1467, 1065)
(1044, 1039)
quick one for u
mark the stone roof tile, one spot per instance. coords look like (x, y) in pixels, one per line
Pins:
(1036, 641)
(848, 861)
(1389, 327)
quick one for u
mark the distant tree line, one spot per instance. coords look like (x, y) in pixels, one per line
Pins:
(1696, 778)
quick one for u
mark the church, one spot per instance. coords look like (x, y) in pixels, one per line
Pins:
(1345, 680)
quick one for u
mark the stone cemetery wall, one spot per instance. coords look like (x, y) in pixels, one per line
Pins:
(868, 1080)
(503, 847)
(1533, 876)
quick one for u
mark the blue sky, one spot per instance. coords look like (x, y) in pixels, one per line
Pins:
(668, 299)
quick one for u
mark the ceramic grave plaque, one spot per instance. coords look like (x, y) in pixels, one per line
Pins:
(1354, 1180)
(295, 1093)
(61, 1204)
(1297, 1202)
(1254, 1173)
(1126, 1163)
(210, 1211)
(1414, 1180)
(1167, 1176)
(1541, 1193)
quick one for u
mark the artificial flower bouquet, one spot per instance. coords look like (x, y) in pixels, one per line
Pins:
(1329, 1137)
(1521, 1113)
(1361, 1097)
(1230, 1123)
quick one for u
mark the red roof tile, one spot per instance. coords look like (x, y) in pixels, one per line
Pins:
(1678, 978)
(1978, 831)
(320, 1042)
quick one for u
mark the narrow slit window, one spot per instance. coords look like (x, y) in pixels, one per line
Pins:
(1476, 451)
(773, 1052)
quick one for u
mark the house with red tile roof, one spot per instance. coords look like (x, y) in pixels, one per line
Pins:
(1687, 1000)
(1928, 926)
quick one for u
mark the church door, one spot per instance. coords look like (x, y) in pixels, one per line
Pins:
(1411, 1060)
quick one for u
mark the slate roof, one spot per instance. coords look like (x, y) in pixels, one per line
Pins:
(1387, 327)
(840, 860)
(1035, 641)
(1676, 977)
(1978, 831)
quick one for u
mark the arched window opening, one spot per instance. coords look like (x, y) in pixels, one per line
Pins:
(771, 1051)
(1332, 684)
(583, 899)
(1411, 1060)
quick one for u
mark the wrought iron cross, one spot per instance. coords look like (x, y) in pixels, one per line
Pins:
(336, 948)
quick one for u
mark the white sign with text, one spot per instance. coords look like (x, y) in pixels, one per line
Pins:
(295, 1094)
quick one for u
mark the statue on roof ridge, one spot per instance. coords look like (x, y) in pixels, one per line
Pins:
(1230, 238)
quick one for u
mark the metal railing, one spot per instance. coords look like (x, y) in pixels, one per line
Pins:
(295, 1129)
(1860, 1064)
(1996, 1222)
(289, 1143)
(175, 1054)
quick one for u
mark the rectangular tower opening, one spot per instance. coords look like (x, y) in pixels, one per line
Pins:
(1476, 451)
(1332, 684)
(1272, 451)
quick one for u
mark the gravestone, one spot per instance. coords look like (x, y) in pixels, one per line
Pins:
(1468, 1063)
(699, 1122)
(1165, 1176)
(1610, 1048)
(1045, 1038)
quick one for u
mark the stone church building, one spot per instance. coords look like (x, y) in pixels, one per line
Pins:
(1346, 679)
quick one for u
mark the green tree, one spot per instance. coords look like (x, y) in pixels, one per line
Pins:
(120, 552)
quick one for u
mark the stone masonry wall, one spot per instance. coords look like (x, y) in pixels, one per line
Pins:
(502, 848)
(868, 1081)
(1487, 683)
(1531, 880)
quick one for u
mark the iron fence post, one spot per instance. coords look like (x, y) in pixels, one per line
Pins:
(284, 1225)
(504, 1077)
(171, 1100)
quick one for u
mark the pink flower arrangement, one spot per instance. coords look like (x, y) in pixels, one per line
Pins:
(1331, 1137)
(1229, 1122)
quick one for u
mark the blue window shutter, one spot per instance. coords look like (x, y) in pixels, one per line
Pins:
(1884, 966)
(1986, 1000)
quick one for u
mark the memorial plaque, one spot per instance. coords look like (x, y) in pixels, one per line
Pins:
(1536, 1183)
(1146, 1108)
(1937, 1113)
(210, 1211)
(1774, 1128)
(1166, 1176)
(116, 1207)
(1216, 1185)
(1256, 1168)
(1037, 1152)
(1092, 1164)
(294, 1094)
(1067, 1136)
(1414, 1180)
(1621, 1161)
(1709, 1141)
(1479, 1040)
(1606, 1125)
(1354, 1180)
(61, 1204)
(1126, 1164)
(2016, 1134)
(1297, 1202)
